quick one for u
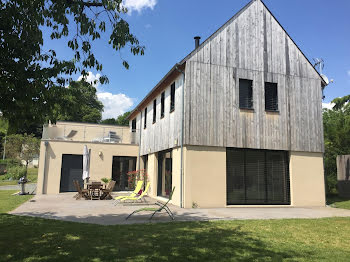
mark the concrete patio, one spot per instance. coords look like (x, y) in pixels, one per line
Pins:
(65, 207)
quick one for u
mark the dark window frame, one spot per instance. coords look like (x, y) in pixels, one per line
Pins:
(271, 97)
(162, 104)
(154, 111)
(133, 125)
(145, 119)
(246, 96)
(172, 97)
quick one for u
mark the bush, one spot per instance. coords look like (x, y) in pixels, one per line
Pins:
(11, 162)
(15, 172)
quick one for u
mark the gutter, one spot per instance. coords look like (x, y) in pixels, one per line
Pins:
(182, 133)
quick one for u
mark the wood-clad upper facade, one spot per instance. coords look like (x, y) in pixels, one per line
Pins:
(252, 46)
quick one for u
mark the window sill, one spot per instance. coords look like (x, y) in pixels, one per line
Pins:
(161, 117)
(274, 112)
(154, 122)
(172, 110)
(247, 109)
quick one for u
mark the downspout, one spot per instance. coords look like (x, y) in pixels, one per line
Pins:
(182, 133)
(139, 163)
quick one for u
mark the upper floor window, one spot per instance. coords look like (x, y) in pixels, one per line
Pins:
(271, 98)
(154, 110)
(133, 125)
(172, 97)
(145, 119)
(162, 98)
(245, 94)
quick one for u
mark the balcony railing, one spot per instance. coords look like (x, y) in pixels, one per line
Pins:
(89, 133)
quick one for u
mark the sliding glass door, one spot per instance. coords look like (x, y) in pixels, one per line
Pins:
(257, 177)
(164, 183)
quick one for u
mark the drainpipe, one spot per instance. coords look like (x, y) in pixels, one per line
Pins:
(182, 133)
(43, 189)
(139, 163)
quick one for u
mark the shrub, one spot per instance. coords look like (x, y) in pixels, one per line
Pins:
(10, 162)
(16, 172)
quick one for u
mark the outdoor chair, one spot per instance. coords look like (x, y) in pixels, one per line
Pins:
(137, 198)
(133, 194)
(106, 193)
(81, 192)
(162, 207)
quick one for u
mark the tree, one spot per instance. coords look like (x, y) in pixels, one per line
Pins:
(122, 119)
(337, 137)
(32, 78)
(79, 104)
(24, 147)
(109, 121)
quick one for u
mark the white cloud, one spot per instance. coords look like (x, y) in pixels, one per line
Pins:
(139, 5)
(328, 105)
(114, 104)
(348, 72)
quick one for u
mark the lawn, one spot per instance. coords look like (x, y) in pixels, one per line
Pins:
(32, 176)
(335, 201)
(9, 202)
(36, 239)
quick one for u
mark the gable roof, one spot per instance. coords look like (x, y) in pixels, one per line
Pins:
(193, 52)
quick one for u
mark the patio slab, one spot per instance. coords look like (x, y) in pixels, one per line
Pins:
(65, 207)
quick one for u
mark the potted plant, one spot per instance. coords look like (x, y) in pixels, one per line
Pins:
(105, 180)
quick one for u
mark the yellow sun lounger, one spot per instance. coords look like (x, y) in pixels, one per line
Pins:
(136, 198)
(133, 194)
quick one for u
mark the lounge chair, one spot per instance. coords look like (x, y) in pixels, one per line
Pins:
(81, 192)
(133, 194)
(69, 136)
(156, 209)
(106, 193)
(137, 198)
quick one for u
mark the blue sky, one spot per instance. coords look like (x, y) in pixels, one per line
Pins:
(167, 27)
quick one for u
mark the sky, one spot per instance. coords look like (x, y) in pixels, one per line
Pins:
(167, 27)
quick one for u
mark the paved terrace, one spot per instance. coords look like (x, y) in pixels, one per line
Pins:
(65, 207)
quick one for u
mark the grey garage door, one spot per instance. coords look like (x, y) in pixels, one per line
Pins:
(72, 169)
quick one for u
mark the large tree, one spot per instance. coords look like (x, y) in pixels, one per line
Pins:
(79, 103)
(32, 78)
(336, 123)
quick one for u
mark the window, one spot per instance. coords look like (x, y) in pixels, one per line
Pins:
(245, 94)
(154, 110)
(162, 105)
(145, 119)
(133, 125)
(172, 97)
(271, 98)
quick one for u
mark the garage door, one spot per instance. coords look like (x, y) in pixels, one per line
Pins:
(257, 177)
(72, 169)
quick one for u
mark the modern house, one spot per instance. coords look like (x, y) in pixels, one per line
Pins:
(236, 122)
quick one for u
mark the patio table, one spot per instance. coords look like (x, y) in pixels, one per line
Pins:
(95, 189)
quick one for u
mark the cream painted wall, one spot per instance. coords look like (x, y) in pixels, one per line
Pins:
(205, 176)
(100, 165)
(152, 174)
(307, 179)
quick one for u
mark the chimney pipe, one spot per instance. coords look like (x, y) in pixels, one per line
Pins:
(196, 41)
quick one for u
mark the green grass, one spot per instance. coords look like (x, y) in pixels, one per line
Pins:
(9, 202)
(32, 175)
(335, 201)
(36, 239)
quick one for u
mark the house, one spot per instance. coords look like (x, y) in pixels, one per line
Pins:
(237, 122)
(113, 153)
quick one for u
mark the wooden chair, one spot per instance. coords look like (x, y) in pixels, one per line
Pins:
(81, 191)
(106, 193)
(95, 190)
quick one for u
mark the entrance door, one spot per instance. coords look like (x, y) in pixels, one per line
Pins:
(164, 183)
(71, 169)
(257, 177)
(120, 168)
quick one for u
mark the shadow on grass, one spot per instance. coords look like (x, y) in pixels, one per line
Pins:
(37, 239)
